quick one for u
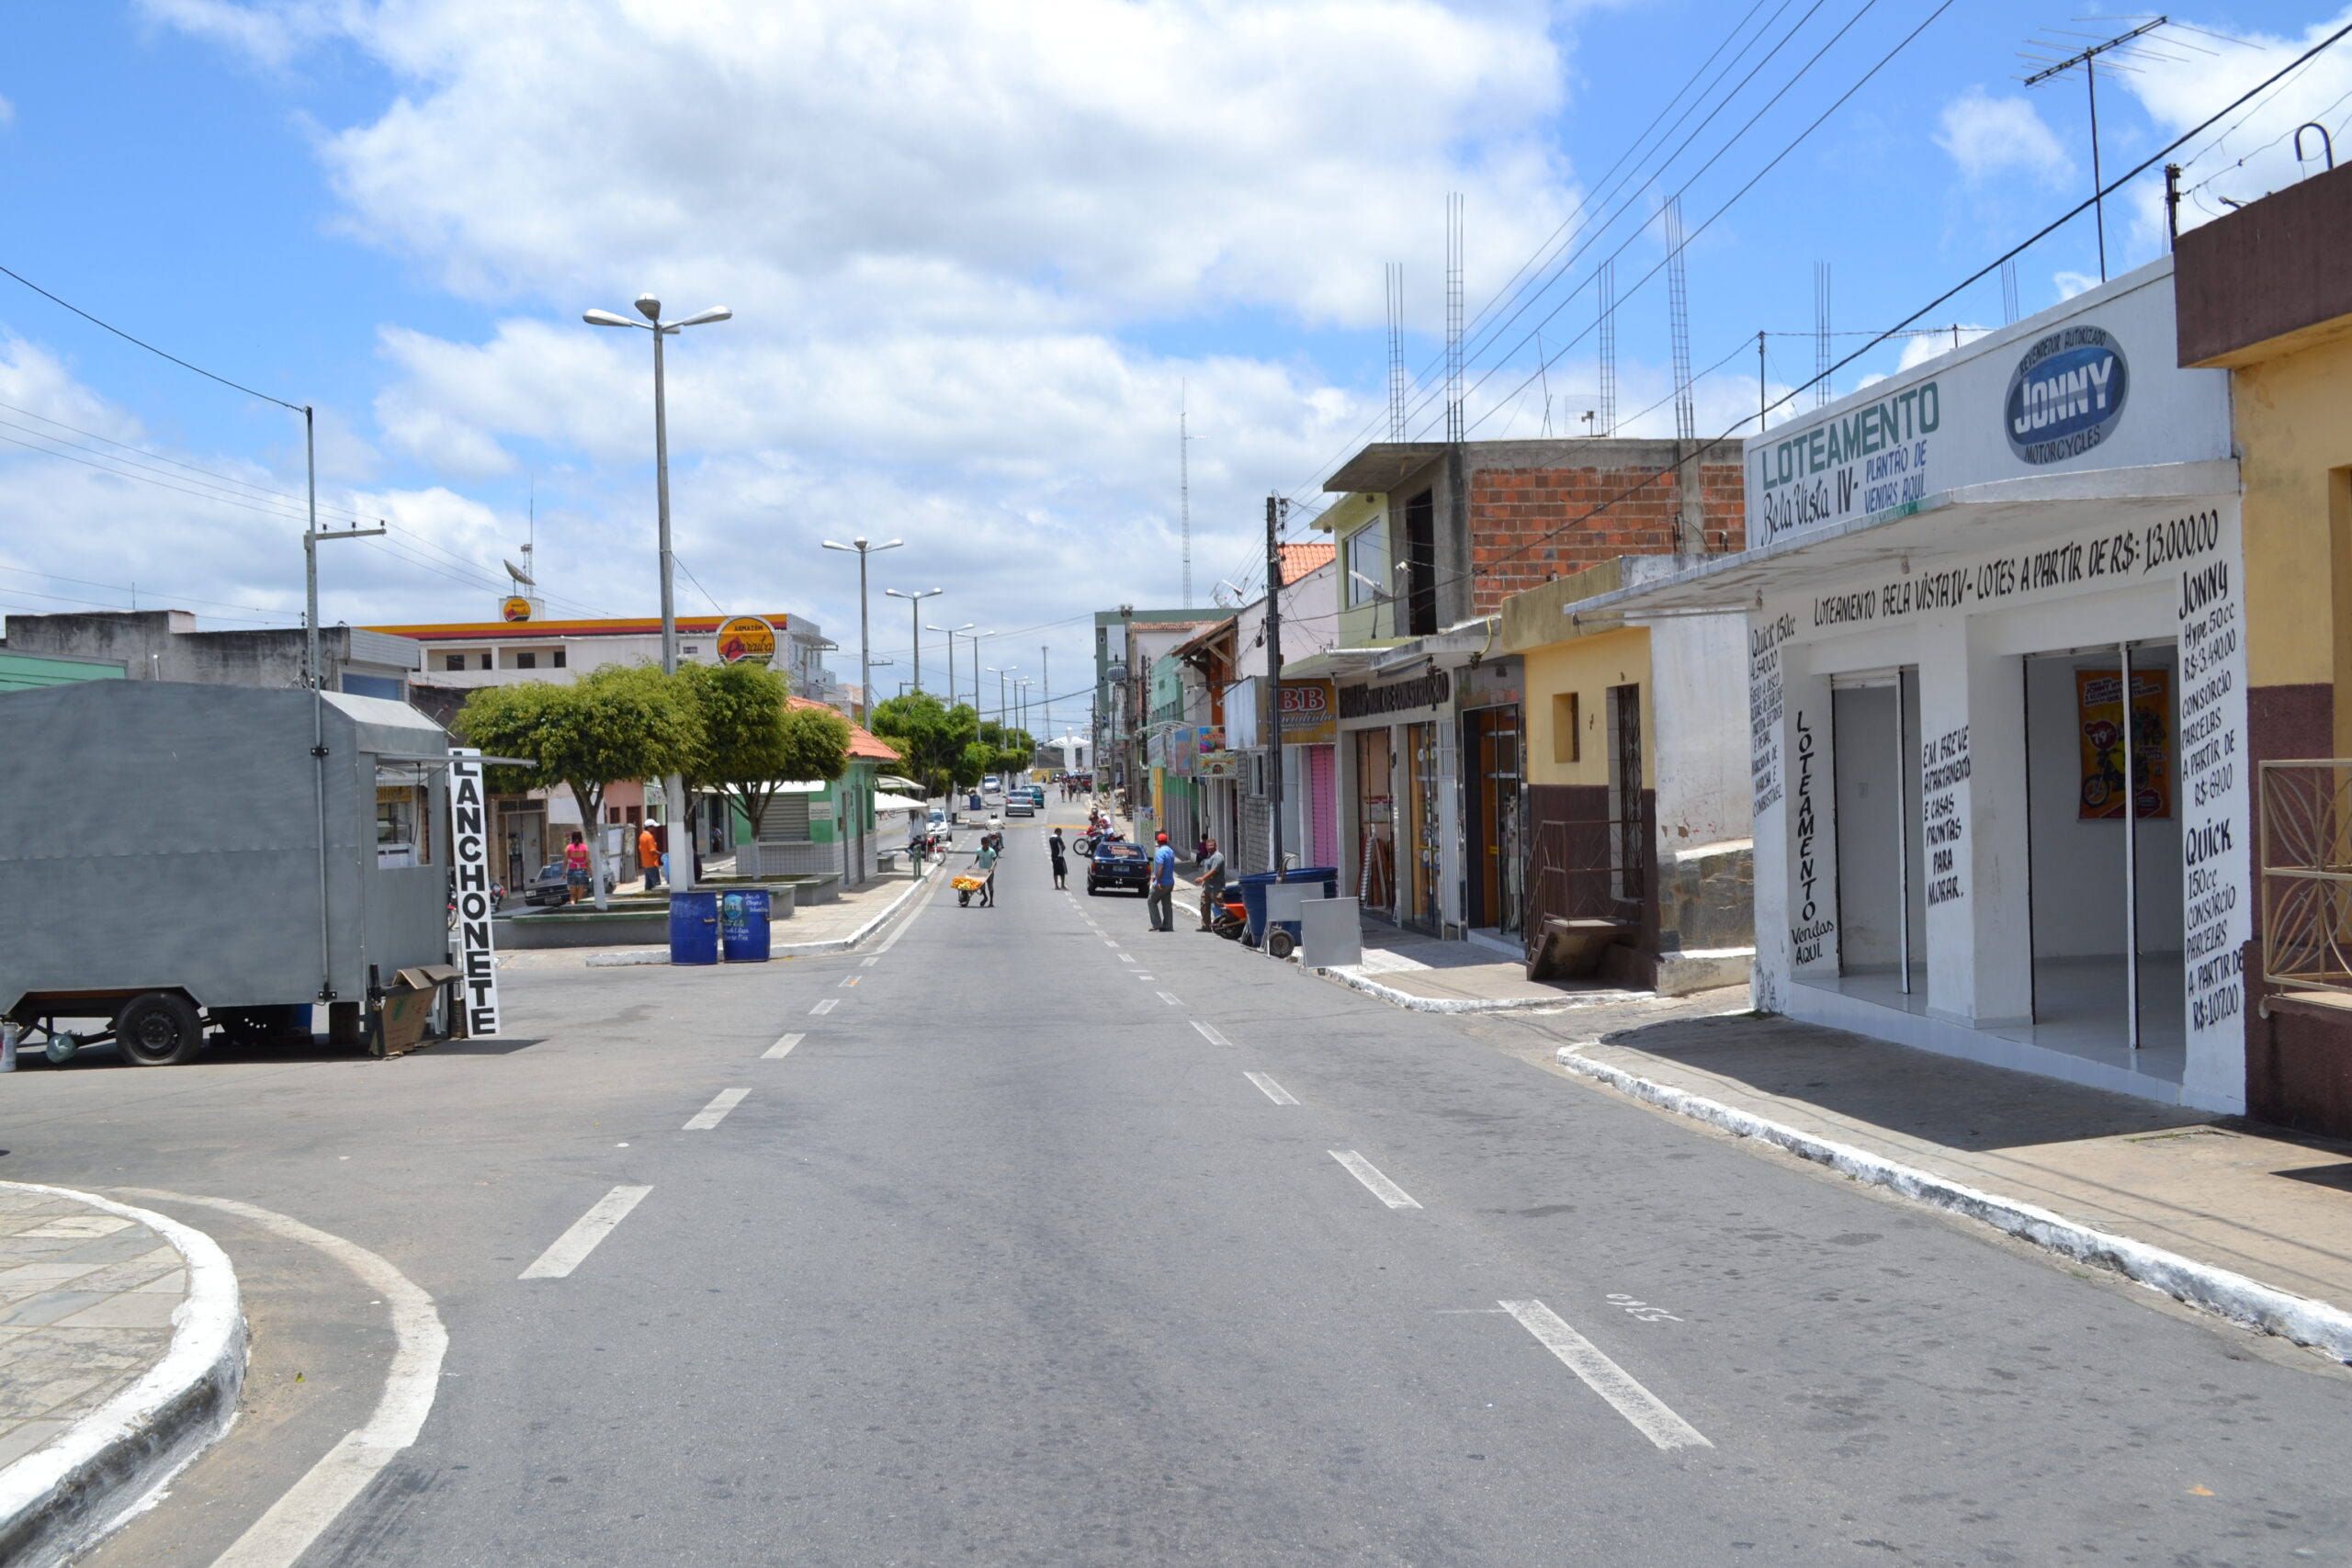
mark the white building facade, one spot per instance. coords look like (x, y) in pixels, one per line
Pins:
(1998, 704)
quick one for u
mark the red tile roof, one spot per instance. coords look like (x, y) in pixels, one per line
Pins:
(1300, 559)
(863, 746)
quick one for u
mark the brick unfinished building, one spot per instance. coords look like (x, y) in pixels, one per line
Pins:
(1468, 526)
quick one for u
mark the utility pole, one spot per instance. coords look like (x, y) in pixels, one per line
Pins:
(1045, 678)
(1274, 679)
(1760, 383)
(914, 619)
(1184, 479)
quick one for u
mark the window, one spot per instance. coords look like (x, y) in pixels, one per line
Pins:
(636, 813)
(1420, 565)
(526, 661)
(1367, 564)
(1567, 728)
(559, 658)
(453, 661)
(486, 658)
(612, 815)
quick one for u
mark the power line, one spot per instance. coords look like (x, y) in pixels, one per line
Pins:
(142, 343)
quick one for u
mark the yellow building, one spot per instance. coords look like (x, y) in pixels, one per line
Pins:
(1636, 769)
(2267, 293)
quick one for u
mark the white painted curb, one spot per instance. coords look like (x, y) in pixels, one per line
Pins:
(1411, 1003)
(60, 1499)
(2202, 1285)
(790, 949)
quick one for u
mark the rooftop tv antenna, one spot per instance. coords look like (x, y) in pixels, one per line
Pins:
(2087, 61)
(1396, 351)
(1677, 314)
(1184, 479)
(1453, 428)
(1604, 418)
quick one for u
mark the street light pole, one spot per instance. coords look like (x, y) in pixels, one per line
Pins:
(674, 788)
(914, 619)
(951, 632)
(865, 655)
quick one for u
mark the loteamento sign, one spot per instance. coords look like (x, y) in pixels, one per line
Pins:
(746, 639)
(469, 839)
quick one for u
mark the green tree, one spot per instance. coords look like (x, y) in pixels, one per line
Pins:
(752, 741)
(931, 738)
(1010, 750)
(620, 722)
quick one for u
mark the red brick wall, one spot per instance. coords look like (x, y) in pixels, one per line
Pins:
(1530, 525)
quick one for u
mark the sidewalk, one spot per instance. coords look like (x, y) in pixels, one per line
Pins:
(2221, 1193)
(818, 923)
(1422, 972)
(113, 1369)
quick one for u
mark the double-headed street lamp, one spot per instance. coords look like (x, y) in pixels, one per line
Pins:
(951, 634)
(1001, 675)
(865, 659)
(682, 857)
(915, 617)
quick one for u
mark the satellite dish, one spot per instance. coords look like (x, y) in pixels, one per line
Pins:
(519, 575)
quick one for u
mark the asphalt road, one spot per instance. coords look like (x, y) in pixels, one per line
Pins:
(1054, 1240)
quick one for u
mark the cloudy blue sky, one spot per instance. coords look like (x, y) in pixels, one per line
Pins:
(977, 253)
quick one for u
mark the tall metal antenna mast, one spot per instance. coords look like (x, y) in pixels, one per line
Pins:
(1821, 360)
(1396, 382)
(2089, 59)
(1184, 479)
(1605, 290)
(1678, 306)
(1453, 431)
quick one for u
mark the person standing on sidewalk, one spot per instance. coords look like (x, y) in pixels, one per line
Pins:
(575, 869)
(1212, 869)
(648, 857)
(1160, 902)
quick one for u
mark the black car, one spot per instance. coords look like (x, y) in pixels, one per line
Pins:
(549, 887)
(1117, 864)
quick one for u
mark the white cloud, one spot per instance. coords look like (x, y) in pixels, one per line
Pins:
(1989, 137)
(7, 114)
(2250, 152)
(952, 234)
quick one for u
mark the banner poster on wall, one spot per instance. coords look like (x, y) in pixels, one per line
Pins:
(2098, 701)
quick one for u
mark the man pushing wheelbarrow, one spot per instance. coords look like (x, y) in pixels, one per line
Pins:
(980, 879)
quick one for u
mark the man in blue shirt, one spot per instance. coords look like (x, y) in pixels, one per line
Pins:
(1160, 903)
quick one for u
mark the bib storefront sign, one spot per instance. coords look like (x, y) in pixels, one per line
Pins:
(1310, 713)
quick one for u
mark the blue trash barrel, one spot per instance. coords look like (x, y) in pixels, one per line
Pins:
(694, 928)
(743, 927)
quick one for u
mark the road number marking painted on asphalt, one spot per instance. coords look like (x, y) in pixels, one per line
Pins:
(1271, 1089)
(1649, 1413)
(572, 1247)
(828, 1004)
(781, 1048)
(1170, 997)
(1642, 1310)
(711, 1115)
(1210, 1035)
(1379, 1186)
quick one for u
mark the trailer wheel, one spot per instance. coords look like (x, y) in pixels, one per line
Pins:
(158, 1029)
(1279, 943)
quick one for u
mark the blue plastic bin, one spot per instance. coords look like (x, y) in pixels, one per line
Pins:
(694, 928)
(743, 927)
(1253, 896)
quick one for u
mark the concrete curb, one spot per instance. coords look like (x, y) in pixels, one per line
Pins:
(2242, 1301)
(789, 950)
(60, 1499)
(1412, 1003)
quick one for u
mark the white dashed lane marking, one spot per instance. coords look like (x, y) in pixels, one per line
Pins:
(572, 1247)
(1379, 1186)
(782, 1047)
(1648, 1413)
(711, 1115)
(828, 1004)
(1271, 1089)
(1210, 1033)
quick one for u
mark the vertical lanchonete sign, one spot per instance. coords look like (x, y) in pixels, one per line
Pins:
(470, 838)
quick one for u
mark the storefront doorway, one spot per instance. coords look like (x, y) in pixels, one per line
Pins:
(2107, 888)
(1426, 863)
(1882, 853)
(1492, 737)
(1376, 819)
